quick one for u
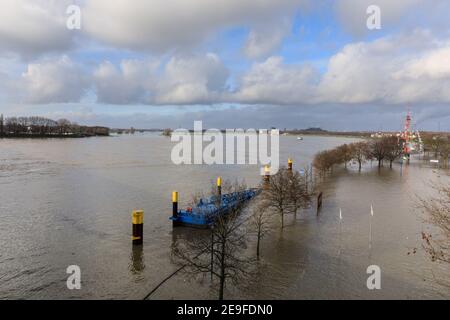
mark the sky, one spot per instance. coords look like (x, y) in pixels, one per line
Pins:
(230, 63)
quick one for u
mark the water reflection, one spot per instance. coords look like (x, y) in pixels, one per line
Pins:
(137, 263)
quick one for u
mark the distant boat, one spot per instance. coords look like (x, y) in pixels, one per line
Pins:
(299, 138)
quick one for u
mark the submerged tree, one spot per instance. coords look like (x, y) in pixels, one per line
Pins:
(360, 153)
(220, 252)
(344, 154)
(437, 213)
(285, 193)
(260, 222)
(276, 194)
(393, 149)
(378, 150)
(298, 194)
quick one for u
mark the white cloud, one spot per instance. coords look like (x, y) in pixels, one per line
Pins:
(265, 38)
(30, 28)
(130, 83)
(409, 14)
(161, 25)
(183, 80)
(403, 69)
(387, 70)
(61, 81)
(191, 80)
(273, 82)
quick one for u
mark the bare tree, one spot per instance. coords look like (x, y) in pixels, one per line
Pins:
(64, 125)
(344, 154)
(393, 149)
(378, 150)
(360, 153)
(221, 253)
(260, 222)
(437, 213)
(434, 143)
(445, 151)
(276, 194)
(298, 194)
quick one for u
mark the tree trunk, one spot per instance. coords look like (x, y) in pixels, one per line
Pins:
(257, 244)
(222, 272)
(282, 220)
(360, 165)
(390, 163)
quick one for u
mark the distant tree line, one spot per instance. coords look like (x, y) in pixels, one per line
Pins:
(40, 126)
(380, 149)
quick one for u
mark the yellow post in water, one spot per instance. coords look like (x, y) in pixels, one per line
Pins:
(266, 174)
(219, 186)
(290, 162)
(174, 208)
(138, 227)
(219, 189)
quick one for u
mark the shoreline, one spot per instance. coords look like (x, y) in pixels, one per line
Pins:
(53, 136)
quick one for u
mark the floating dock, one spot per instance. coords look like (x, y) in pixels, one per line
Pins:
(208, 210)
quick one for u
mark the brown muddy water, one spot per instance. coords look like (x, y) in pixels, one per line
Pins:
(69, 202)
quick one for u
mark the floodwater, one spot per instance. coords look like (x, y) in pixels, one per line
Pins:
(69, 202)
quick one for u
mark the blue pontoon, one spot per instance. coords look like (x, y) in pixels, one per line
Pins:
(207, 210)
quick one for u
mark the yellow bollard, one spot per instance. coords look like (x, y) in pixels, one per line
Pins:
(138, 227)
(290, 164)
(219, 186)
(175, 207)
(266, 174)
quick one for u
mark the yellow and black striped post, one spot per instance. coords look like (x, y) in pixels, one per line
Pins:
(175, 207)
(290, 164)
(219, 187)
(266, 174)
(138, 227)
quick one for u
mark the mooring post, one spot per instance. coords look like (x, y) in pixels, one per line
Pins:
(266, 174)
(138, 227)
(319, 202)
(174, 207)
(290, 164)
(219, 188)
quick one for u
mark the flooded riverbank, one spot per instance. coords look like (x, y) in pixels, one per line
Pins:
(65, 202)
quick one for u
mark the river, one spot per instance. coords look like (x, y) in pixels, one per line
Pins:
(69, 201)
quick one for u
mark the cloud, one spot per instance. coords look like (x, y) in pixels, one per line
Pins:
(30, 28)
(411, 68)
(265, 38)
(161, 25)
(192, 80)
(409, 14)
(130, 83)
(60, 81)
(273, 82)
(182, 80)
(386, 71)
